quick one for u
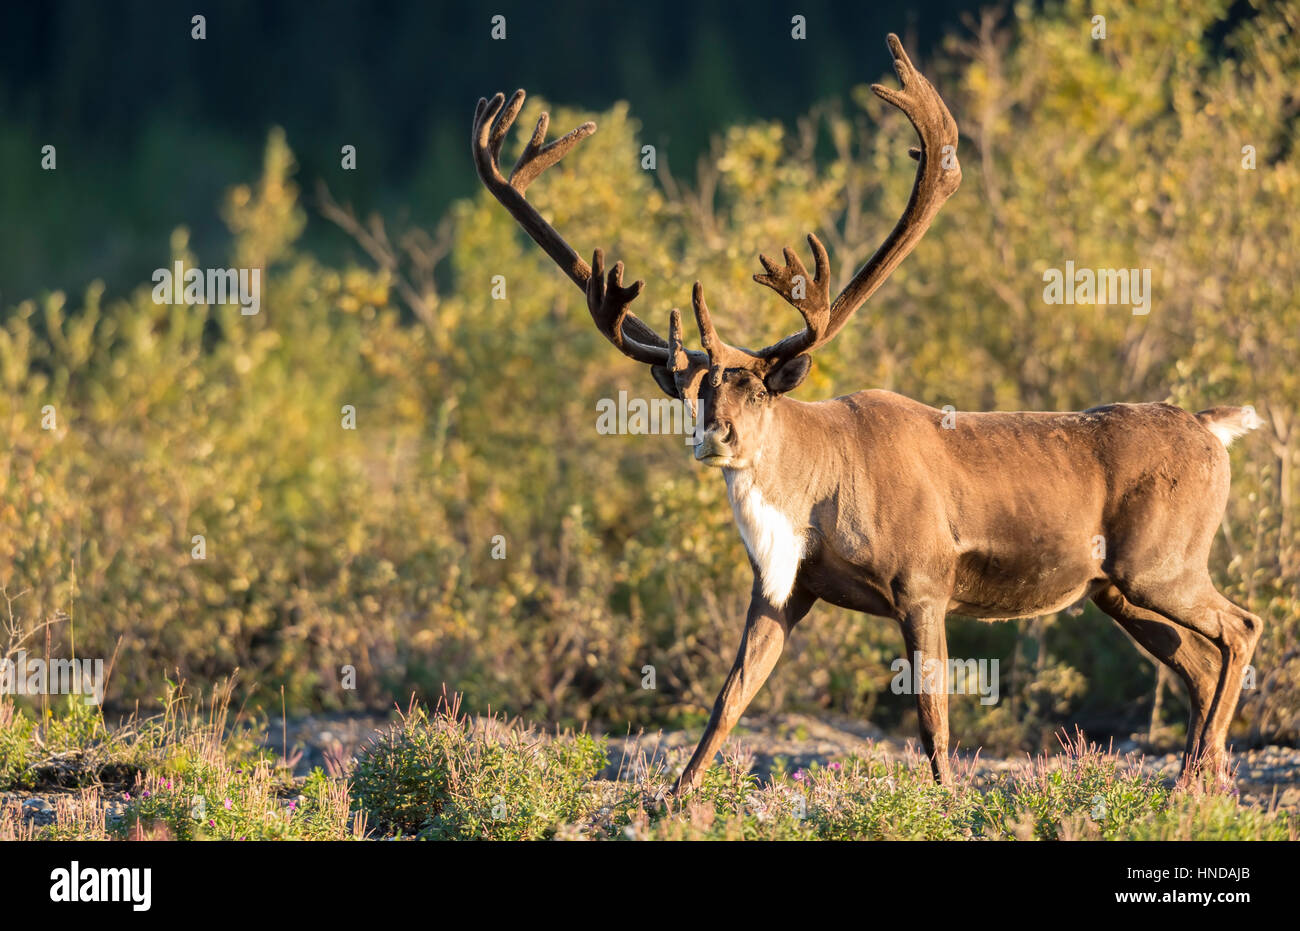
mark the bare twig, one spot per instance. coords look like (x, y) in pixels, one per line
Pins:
(421, 252)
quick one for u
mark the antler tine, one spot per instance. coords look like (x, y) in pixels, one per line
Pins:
(721, 355)
(536, 158)
(687, 366)
(607, 300)
(677, 360)
(704, 323)
(812, 300)
(492, 119)
(485, 156)
(937, 177)
(503, 124)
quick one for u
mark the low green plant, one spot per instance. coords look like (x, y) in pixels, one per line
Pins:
(17, 749)
(224, 802)
(441, 775)
(444, 776)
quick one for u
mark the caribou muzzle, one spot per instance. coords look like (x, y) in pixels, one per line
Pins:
(714, 448)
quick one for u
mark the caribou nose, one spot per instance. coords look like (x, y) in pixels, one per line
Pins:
(715, 442)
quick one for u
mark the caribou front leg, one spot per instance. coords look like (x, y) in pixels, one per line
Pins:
(766, 628)
(927, 648)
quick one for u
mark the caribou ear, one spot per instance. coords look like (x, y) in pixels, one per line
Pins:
(665, 380)
(788, 375)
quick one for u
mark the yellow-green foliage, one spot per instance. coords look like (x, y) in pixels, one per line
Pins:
(372, 548)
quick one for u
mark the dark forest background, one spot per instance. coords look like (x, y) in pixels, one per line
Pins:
(151, 126)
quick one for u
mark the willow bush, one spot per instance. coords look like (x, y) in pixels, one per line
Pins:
(475, 417)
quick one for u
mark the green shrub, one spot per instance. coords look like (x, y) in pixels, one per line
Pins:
(249, 801)
(17, 749)
(1211, 817)
(449, 778)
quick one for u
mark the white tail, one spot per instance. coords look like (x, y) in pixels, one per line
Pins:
(1228, 423)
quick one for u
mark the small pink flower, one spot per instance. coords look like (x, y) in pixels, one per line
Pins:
(226, 804)
(798, 775)
(835, 766)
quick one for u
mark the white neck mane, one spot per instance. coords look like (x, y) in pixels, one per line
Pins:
(771, 537)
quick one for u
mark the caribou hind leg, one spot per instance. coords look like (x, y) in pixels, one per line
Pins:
(1196, 661)
(1194, 604)
(1242, 631)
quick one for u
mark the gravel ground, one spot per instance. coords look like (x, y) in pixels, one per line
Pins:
(1266, 776)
